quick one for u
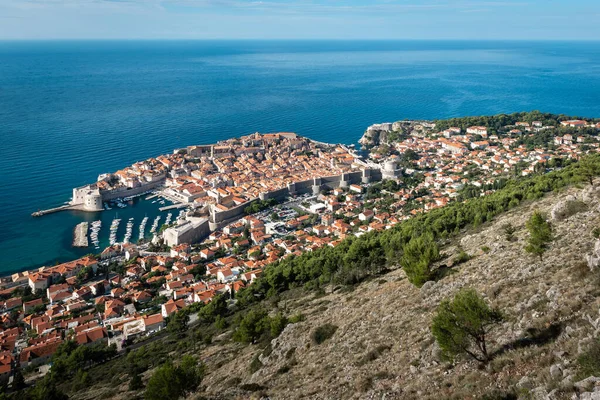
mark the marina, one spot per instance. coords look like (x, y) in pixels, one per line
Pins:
(96, 225)
(126, 224)
(154, 225)
(142, 228)
(128, 231)
(114, 227)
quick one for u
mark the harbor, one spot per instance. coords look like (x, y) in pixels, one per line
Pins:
(127, 220)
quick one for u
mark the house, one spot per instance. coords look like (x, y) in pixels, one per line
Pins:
(93, 335)
(574, 123)
(171, 307)
(153, 323)
(174, 285)
(64, 287)
(142, 297)
(39, 354)
(12, 303)
(477, 130)
(207, 254)
(356, 188)
(39, 281)
(225, 274)
(30, 305)
(366, 215)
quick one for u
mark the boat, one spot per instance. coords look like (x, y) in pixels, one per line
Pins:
(143, 227)
(155, 225)
(114, 226)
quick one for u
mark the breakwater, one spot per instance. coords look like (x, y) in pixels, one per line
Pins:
(80, 237)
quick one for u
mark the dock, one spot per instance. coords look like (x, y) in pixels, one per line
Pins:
(80, 236)
(152, 196)
(53, 210)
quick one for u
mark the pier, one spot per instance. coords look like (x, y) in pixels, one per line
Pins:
(173, 206)
(55, 209)
(80, 237)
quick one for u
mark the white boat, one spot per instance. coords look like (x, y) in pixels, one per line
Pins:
(143, 227)
(155, 224)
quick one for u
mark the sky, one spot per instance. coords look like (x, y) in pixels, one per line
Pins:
(300, 19)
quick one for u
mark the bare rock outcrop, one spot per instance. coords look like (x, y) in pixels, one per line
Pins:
(593, 259)
(566, 208)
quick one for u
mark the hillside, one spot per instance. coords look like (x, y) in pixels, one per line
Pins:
(383, 345)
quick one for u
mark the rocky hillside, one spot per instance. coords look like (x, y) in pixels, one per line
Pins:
(383, 346)
(380, 344)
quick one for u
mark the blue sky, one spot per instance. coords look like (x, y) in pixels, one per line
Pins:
(300, 19)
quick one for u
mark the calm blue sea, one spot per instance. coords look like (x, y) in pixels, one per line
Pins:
(72, 110)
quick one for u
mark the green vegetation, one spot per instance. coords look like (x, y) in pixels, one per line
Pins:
(323, 332)
(178, 322)
(355, 259)
(257, 325)
(589, 169)
(509, 232)
(460, 326)
(589, 361)
(171, 382)
(497, 122)
(413, 244)
(540, 234)
(259, 205)
(419, 254)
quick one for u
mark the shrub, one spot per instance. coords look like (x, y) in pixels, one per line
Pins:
(461, 257)
(509, 232)
(418, 255)
(589, 362)
(297, 318)
(170, 382)
(323, 332)
(255, 364)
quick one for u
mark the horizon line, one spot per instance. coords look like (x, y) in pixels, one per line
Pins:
(58, 39)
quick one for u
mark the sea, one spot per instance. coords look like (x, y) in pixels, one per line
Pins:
(71, 110)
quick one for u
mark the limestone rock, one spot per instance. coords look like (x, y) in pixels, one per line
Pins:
(565, 208)
(427, 286)
(590, 194)
(589, 396)
(593, 260)
(556, 371)
(525, 383)
(587, 384)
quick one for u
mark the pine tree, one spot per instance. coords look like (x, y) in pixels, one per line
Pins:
(461, 326)
(540, 234)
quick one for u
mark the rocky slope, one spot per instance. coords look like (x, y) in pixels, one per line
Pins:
(383, 347)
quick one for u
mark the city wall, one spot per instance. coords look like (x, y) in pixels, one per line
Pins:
(219, 219)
